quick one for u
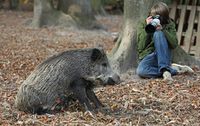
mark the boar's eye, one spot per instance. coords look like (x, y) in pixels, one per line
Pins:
(104, 64)
(96, 55)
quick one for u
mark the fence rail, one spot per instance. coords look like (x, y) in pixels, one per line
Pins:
(186, 14)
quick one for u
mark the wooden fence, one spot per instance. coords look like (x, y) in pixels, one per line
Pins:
(186, 14)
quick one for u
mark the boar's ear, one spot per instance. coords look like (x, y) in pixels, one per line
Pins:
(96, 54)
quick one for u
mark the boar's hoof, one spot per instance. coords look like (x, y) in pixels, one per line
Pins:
(111, 81)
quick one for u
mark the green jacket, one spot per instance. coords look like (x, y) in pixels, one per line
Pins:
(144, 48)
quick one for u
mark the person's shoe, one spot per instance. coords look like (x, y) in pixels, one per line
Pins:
(182, 68)
(167, 76)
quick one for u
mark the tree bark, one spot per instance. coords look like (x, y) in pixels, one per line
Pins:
(123, 56)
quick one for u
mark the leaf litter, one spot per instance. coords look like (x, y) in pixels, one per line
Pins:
(135, 101)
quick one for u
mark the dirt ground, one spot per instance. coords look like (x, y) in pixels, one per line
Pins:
(135, 101)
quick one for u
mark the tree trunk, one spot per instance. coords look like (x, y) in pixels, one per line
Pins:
(69, 13)
(14, 4)
(97, 7)
(80, 11)
(45, 14)
(181, 57)
(1, 4)
(123, 56)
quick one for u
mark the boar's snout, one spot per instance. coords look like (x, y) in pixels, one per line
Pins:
(115, 79)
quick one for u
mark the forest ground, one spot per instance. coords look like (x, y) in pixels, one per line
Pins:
(135, 101)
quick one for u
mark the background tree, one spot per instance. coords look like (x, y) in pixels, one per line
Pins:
(97, 7)
(1, 4)
(45, 14)
(14, 4)
(77, 13)
(123, 56)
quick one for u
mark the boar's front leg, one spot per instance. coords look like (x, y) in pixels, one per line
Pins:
(78, 88)
(93, 98)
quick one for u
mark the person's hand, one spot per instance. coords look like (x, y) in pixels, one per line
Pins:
(159, 27)
(149, 19)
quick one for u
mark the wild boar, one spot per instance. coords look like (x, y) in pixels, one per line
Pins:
(73, 73)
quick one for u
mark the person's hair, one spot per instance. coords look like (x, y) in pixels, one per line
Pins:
(161, 9)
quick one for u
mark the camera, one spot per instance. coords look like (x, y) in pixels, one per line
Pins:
(151, 27)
